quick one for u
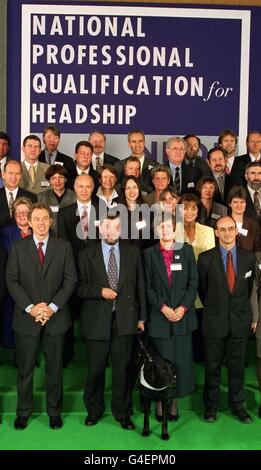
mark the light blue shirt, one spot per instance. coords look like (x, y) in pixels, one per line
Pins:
(173, 171)
(224, 253)
(106, 254)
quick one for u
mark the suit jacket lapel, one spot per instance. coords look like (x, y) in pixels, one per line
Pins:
(219, 267)
(161, 265)
(240, 268)
(99, 262)
(124, 263)
(50, 251)
(32, 252)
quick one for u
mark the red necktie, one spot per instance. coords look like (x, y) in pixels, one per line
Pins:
(230, 271)
(40, 252)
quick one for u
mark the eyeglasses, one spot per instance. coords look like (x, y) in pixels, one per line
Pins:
(176, 149)
(21, 213)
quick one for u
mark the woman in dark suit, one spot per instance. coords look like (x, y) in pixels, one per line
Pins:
(249, 236)
(58, 196)
(211, 211)
(171, 286)
(8, 235)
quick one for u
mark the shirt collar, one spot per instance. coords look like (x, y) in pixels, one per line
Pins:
(29, 164)
(13, 191)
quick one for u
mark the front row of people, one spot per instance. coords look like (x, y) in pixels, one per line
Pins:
(41, 278)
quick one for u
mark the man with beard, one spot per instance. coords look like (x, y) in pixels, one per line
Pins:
(111, 286)
(217, 163)
(192, 158)
(99, 156)
(253, 178)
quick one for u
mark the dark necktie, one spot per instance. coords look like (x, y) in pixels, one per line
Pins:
(257, 203)
(98, 164)
(40, 252)
(11, 203)
(84, 222)
(177, 179)
(49, 158)
(230, 272)
(112, 273)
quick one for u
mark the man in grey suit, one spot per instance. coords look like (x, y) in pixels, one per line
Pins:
(40, 277)
(112, 288)
(226, 276)
(33, 171)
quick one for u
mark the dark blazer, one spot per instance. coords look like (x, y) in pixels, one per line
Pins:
(48, 197)
(200, 163)
(69, 228)
(225, 312)
(183, 291)
(3, 257)
(67, 161)
(218, 196)
(252, 241)
(74, 174)
(237, 175)
(189, 177)
(30, 283)
(5, 218)
(250, 209)
(109, 159)
(96, 315)
(145, 177)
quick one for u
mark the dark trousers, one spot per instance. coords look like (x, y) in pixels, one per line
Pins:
(215, 351)
(119, 348)
(26, 354)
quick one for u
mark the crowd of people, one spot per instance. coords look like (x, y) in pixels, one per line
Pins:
(171, 250)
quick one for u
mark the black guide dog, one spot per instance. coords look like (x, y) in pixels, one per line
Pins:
(157, 377)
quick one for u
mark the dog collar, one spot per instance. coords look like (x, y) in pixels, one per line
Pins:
(145, 384)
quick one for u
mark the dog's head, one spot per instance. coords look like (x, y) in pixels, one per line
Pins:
(158, 373)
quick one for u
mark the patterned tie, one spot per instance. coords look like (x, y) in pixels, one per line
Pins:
(257, 203)
(84, 222)
(49, 158)
(98, 164)
(177, 179)
(230, 272)
(113, 273)
(11, 203)
(221, 184)
(40, 252)
(32, 173)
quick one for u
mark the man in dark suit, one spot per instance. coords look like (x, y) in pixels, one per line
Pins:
(253, 202)
(183, 177)
(253, 143)
(83, 164)
(12, 175)
(51, 154)
(100, 157)
(136, 142)
(192, 158)
(226, 276)
(40, 277)
(217, 163)
(4, 149)
(112, 288)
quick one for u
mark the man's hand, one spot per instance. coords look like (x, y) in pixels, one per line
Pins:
(108, 293)
(141, 325)
(44, 314)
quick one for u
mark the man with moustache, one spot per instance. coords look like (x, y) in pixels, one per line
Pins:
(227, 141)
(217, 163)
(192, 158)
(111, 286)
(253, 203)
(100, 157)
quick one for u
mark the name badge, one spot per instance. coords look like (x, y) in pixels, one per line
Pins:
(176, 267)
(144, 193)
(141, 224)
(150, 167)
(243, 231)
(45, 184)
(177, 257)
(248, 274)
(191, 185)
(215, 216)
(96, 223)
(58, 163)
(54, 208)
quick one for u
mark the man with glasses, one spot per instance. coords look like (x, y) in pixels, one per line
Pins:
(183, 178)
(226, 276)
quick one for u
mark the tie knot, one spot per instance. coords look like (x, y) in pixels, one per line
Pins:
(40, 244)
(177, 169)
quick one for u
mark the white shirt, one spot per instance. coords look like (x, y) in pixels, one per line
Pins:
(252, 191)
(82, 171)
(14, 193)
(81, 206)
(2, 163)
(141, 160)
(254, 159)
